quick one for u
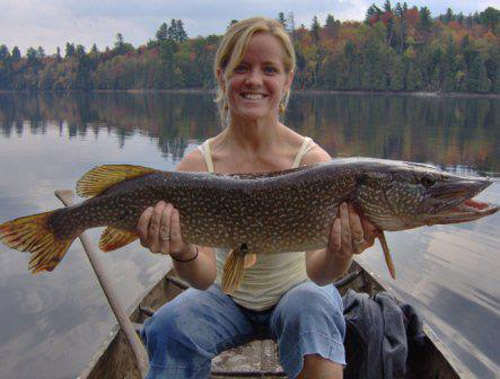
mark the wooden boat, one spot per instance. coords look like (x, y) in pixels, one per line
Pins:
(257, 359)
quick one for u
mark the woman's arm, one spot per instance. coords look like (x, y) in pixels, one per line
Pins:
(159, 230)
(349, 235)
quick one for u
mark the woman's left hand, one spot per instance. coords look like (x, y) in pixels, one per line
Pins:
(350, 234)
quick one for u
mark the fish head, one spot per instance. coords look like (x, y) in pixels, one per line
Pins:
(408, 195)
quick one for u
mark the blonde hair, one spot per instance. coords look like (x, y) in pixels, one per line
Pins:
(233, 48)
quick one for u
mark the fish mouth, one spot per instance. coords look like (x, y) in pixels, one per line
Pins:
(455, 202)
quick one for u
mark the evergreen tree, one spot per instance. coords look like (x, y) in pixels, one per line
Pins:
(449, 16)
(424, 17)
(397, 75)
(161, 34)
(315, 27)
(180, 32)
(119, 44)
(80, 51)
(387, 6)
(450, 66)
(40, 52)
(330, 21)
(372, 12)
(476, 78)
(490, 17)
(4, 53)
(16, 54)
(414, 80)
(281, 19)
(496, 80)
(70, 50)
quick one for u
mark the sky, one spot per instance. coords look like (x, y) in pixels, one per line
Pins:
(52, 23)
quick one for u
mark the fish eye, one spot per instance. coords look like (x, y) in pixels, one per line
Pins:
(427, 180)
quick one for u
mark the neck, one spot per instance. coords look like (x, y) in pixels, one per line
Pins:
(253, 135)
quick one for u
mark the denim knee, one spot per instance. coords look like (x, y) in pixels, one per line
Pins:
(309, 320)
(174, 349)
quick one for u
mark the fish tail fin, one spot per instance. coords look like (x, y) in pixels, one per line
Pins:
(387, 255)
(33, 234)
(233, 272)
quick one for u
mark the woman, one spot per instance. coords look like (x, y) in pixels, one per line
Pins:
(254, 67)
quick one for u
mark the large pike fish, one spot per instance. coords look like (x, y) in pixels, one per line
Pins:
(267, 213)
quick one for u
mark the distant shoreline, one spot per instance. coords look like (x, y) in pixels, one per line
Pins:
(300, 92)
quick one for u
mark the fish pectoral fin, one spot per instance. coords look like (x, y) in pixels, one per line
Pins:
(113, 238)
(387, 254)
(233, 272)
(100, 178)
(250, 260)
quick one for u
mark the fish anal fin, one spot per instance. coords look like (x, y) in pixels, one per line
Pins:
(113, 238)
(250, 260)
(233, 272)
(387, 254)
(100, 178)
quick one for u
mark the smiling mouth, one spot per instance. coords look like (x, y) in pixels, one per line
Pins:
(252, 96)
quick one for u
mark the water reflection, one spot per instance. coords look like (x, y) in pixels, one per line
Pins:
(448, 131)
(48, 141)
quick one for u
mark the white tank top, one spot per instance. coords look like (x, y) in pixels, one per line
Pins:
(272, 275)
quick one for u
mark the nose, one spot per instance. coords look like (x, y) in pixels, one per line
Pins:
(254, 78)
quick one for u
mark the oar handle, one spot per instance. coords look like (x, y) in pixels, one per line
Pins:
(67, 198)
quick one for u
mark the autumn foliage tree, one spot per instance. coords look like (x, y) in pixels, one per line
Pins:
(396, 48)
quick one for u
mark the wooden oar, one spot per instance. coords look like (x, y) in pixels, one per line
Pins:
(67, 198)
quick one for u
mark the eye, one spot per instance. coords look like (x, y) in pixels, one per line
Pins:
(240, 69)
(270, 70)
(427, 180)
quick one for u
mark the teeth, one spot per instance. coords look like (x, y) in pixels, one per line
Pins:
(253, 96)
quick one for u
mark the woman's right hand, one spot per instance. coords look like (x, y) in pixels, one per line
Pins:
(160, 231)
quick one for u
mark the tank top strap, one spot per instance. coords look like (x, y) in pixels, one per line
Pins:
(307, 145)
(204, 149)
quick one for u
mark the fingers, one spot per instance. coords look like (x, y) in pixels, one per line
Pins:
(359, 242)
(371, 232)
(165, 226)
(176, 243)
(143, 226)
(346, 247)
(154, 227)
(350, 234)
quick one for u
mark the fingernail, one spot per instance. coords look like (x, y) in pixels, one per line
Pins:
(344, 206)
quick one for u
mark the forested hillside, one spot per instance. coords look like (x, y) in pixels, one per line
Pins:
(396, 48)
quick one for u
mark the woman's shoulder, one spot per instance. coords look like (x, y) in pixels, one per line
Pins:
(314, 154)
(193, 161)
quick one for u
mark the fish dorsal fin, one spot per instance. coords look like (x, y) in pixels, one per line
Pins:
(112, 239)
(100, 178)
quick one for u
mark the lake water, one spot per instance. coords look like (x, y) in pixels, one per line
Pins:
(51, 324)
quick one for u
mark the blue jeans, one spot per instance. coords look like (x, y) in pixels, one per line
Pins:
(186, 333)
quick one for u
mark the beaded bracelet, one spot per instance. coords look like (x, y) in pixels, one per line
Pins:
(187, 260)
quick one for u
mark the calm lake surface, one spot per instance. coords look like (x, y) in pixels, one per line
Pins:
(51, 324)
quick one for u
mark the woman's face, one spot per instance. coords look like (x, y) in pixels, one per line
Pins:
(257, 85)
